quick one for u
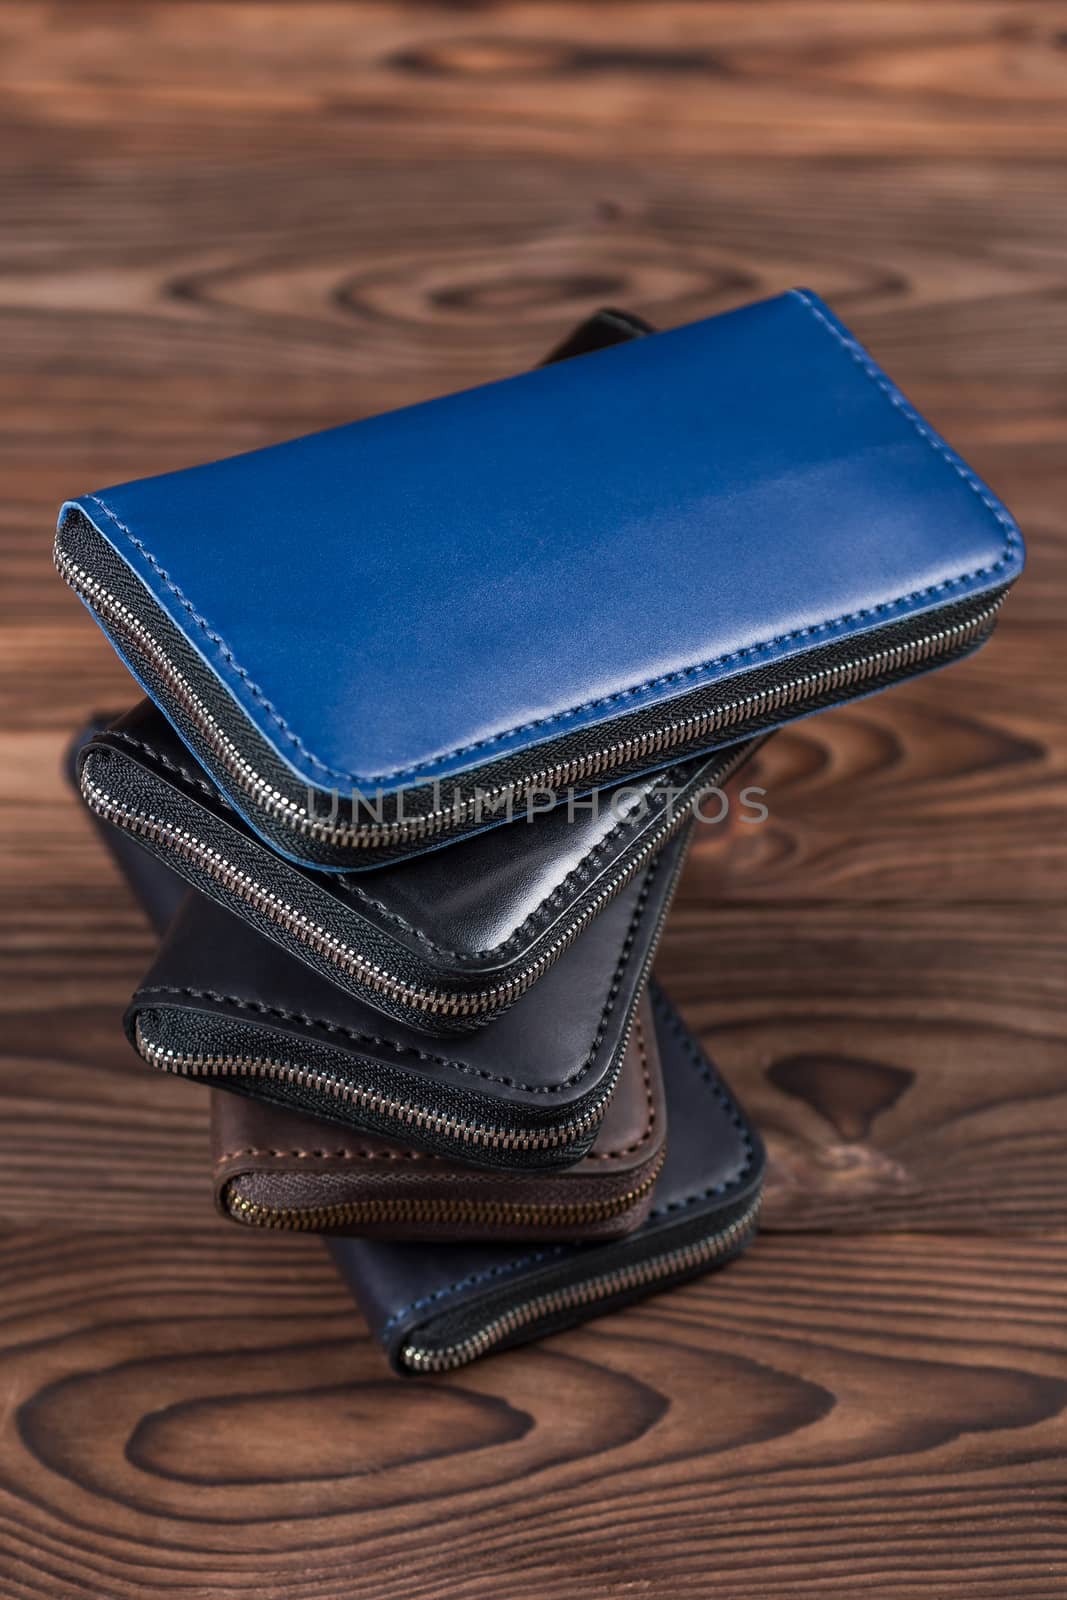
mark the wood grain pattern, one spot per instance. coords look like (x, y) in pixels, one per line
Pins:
(210, 1416)
(228, 223)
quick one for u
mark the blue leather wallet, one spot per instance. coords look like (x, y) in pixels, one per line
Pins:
(381, 635)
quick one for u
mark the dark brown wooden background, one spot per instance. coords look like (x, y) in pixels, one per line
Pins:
(224, 224)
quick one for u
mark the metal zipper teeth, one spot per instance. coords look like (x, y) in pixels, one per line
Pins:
(479, 1213)
(119, 616)
(405, 1112)
(638, 1275)
(313, 935)
(599, 764)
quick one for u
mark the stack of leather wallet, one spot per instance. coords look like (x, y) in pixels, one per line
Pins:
(433, 704)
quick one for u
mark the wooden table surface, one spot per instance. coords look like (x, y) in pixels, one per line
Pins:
(224, 224)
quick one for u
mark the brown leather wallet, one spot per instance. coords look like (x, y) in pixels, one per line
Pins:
(277, 1169)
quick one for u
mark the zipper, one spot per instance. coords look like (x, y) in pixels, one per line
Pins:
(480, 1213)
(730, 717)
(406, 1113)
(587, 1292)
(435, 1002)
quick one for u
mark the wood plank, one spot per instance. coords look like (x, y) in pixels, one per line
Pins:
(905, 1063)
(227, 223)
(204, 1416)
(793, 78)
(948, 788)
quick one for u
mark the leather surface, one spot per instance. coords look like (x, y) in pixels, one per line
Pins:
(472, 915)
(411, 596)
(606, 327)
(282, 1160)
(159, 890)
(713, 1157)
(545, 1060)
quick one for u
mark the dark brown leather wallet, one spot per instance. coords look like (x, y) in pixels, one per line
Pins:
(276, 1169)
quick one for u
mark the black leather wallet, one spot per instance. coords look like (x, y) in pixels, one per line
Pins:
(436, 1308)
(443, 941)
(224, 1006)
(278, 1169)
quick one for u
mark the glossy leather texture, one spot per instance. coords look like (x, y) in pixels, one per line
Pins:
(532, 565)
(445, 940)
(529, 1090)
(713, 1172)
(276, 1169)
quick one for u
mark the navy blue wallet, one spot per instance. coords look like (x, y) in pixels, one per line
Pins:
(381, 635)
(437, 1307)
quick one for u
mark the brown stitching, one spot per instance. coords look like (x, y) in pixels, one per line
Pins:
(331, 1155)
